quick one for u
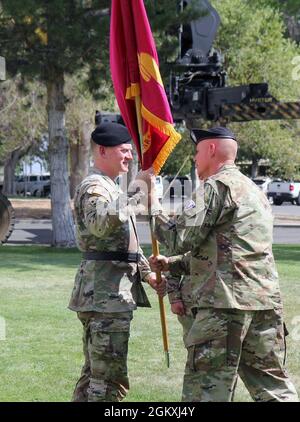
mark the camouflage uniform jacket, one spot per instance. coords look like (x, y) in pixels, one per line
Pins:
(179, 286)
(228, 238)
(179, 289)
(103, 223)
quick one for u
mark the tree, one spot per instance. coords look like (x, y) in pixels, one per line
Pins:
(48, 40)
(79, 125)
(182, 150)
(21, 124)
(291, 13)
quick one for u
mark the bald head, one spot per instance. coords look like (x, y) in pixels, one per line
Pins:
(224, 149)
(212, 154)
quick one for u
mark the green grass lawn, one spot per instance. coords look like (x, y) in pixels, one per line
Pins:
(41, 357)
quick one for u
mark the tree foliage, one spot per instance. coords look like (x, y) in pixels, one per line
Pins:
(290, 10)
(47, 41)
(22, 116)
(38, 36)
(184, 149)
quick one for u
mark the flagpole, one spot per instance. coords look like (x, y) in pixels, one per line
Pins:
(155, 247)
(164, 328)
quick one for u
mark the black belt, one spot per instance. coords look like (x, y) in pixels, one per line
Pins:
(112, 256)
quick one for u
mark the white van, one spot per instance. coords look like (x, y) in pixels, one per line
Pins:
(32, 184)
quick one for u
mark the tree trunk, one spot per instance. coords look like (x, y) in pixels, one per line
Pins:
(293, 27)
(9, 174)
(80, 156)
(9, 186)
(254, 167)
(62, 219)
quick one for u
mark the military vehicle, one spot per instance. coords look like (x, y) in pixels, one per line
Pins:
(197, 90)
(7, 215)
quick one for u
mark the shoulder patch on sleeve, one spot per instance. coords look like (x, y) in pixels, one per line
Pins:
(97, 191)
(189, 204)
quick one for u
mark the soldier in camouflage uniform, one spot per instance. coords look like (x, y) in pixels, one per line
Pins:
(107, 285)
(179, 294)
(237, 326)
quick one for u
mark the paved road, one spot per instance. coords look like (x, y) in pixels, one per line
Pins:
(40, 231)
(31, 232)
(286, 209)
(290, 235)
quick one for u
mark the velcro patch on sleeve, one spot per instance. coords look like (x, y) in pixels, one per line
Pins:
(97, 190)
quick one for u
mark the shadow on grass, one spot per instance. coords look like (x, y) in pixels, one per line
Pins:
(23, 258)
(286, 253)
(26, 258)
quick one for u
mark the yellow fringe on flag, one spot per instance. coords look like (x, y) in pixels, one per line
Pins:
(132, 91)
(166, 128)
(165, 152)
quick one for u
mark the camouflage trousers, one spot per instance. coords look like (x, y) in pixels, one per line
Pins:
(104, 375)
(224, 343)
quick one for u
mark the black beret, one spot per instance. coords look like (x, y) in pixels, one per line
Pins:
(198, 135)
(111, 135)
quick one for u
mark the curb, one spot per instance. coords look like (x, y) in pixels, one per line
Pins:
(48, 221)
(292, 226)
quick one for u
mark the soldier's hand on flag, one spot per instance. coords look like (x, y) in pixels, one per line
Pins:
(159, 287)
(145, 179)
(159, 263)
(178, 308)
(146, 176)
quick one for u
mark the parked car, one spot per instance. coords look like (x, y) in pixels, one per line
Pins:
(159, 187)
(281, 191)
(32, 184)
(181, 187)
(46, 191)
(262, 182)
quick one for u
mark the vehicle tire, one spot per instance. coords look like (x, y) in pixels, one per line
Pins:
(7, 219)
(278, 201)
(298, 200)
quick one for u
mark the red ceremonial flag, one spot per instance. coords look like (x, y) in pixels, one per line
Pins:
(138, 85)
